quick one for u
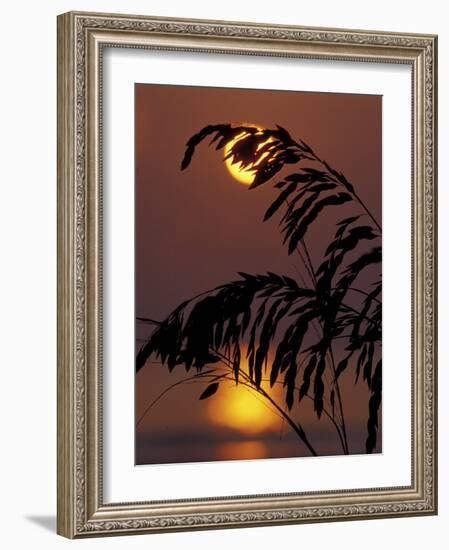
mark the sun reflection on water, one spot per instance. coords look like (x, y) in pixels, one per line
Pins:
(241, 450)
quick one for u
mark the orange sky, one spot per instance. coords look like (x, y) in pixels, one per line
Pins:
(196, 229)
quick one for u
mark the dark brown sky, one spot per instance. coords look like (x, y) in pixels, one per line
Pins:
(196, 229)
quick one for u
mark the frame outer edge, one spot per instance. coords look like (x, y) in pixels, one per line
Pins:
(434, 297)
(66, 429)
(77, 452)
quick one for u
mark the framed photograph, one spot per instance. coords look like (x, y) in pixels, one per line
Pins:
(246, 274)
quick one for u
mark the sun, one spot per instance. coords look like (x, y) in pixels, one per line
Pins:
(243, 175)
(243, 409)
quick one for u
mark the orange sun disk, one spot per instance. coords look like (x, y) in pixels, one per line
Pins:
(247, 174)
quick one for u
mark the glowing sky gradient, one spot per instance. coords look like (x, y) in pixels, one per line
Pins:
(197, 228)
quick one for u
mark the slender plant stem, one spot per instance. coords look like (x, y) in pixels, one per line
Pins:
(309, 260)
(363, 205)
(352, 191)
(147, 321)
(350, 308)
(325, 411)
(340, 401)
(343, 440)
(300, 276)
(359, 291)
(306, 264)
(183, 381)
(297, 428)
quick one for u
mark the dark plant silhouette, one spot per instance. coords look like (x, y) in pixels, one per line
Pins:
(288, 328)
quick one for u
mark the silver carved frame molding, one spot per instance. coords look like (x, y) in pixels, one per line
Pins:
(81, 39)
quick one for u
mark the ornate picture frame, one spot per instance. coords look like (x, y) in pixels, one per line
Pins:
(82, 508)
